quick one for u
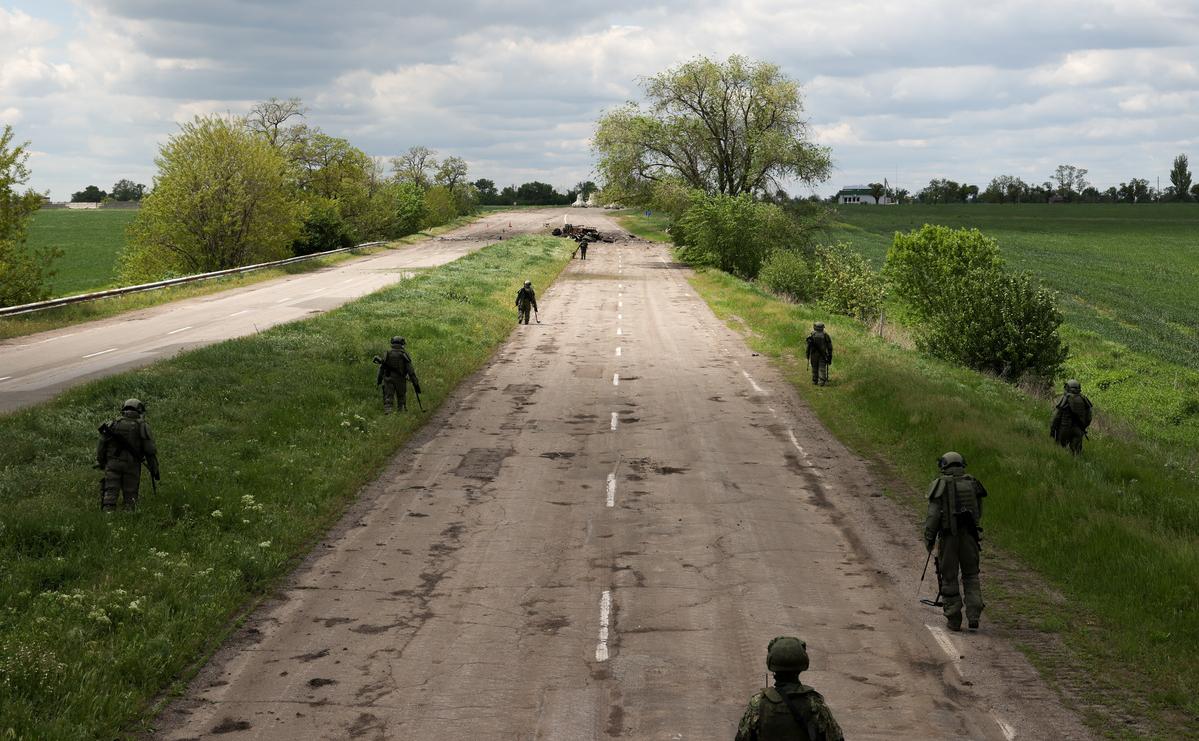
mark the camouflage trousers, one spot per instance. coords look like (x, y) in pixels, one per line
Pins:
(819, 371)
(1071, 437)
(959, 553)
(121, 478)
(395, 389)
(522, 314)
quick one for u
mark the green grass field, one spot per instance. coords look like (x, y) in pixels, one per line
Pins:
(89, 240)
(101, 613)
(1128, 280)
(1116, 532)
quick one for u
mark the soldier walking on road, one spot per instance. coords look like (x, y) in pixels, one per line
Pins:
(526, 301)
(124, 444)
(955, 511)
(788, 710)
(819, 353)
(583, 248)
(395, 369)
(1071, 418)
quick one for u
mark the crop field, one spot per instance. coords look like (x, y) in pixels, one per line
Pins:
(1128, 279)
(89, 240)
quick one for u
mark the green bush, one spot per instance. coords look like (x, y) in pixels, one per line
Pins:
(846, 284)
(787, 274)
(324, 228)
(968, 309)
(732, 233)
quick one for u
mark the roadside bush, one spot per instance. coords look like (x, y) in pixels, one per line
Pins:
(395, 210)
(732, 233)
(324, 228)
(440, 206)
(787, 274)
(969, 310)
(845, 283)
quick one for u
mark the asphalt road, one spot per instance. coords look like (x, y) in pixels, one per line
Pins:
(36, 367)
(595, 538)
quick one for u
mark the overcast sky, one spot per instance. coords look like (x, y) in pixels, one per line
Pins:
(908, 91)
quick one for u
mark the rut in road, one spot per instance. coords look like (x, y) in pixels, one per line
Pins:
(597, 538)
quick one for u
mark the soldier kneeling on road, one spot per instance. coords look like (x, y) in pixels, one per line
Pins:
(395, 370)
(124, 444)
(1071, 418)
(788, 710)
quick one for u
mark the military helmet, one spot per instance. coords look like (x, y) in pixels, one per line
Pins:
(134, 405)
(818, 325)
(787, 654)
(528, 283)
(951, 459)
(1073, 386)
(397, 340)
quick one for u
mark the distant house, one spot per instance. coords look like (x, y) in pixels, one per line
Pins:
(855, 194)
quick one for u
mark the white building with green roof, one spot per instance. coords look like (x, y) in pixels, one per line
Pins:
(858, 194)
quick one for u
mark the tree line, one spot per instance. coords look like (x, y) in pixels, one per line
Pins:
(1067, 184)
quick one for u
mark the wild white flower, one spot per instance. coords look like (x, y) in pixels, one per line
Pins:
(217, 514)
(265, 544)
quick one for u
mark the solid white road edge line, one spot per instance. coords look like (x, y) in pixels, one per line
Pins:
(946, 644)
(92, 355)
(5, 378)
(601, 648)
(753, 383)
(181, 329)
(1008, 732)
(611, 501)
(613, 420)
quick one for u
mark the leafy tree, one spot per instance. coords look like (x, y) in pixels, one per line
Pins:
(127, 190)
(23, 273)
(415, 166)
(1195, 191)
(399, 210)
(1071, 181)
(877, 191)
(846, 284)
(584, 189)
(222, 198)
(969, 309)
(1136, 190)
(488, 196)
(451, 173)
(787, 274)
(90, 194)
(1180, 178)
(941, 190)
(508, 195)
(323, 228)
(537, 193)
(730, 128)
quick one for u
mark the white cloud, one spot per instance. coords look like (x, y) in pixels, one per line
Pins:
(928, 87)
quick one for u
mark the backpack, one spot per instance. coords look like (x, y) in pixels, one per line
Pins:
(787, 718)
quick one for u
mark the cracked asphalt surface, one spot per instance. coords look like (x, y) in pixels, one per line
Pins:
(595, 538)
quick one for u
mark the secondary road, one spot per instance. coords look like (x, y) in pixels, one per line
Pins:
(36, 367)
(596, 538)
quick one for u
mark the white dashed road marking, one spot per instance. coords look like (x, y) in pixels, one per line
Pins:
(92, 355)
(177, 331)
(5, 378)
(614, 420)
(601, 649)
(615, 379)
(611, 501)
(618, 332)
(1008, 732)
(238, 313)
(753, 383)
(618, 352)
(946, 644)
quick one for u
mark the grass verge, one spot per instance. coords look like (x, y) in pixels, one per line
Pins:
(44, 321)
(263, 441)
(652, 227)
(1115, 533)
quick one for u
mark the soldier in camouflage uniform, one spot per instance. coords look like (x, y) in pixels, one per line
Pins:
(124, 444)
(788, 710)
(526, 300)
(819, 353)
(955, 509)
(1071, 418)
(395, 369)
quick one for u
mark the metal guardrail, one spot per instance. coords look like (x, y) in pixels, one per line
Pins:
(84, 297)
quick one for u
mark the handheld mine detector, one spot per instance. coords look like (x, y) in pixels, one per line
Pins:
(935, 602)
